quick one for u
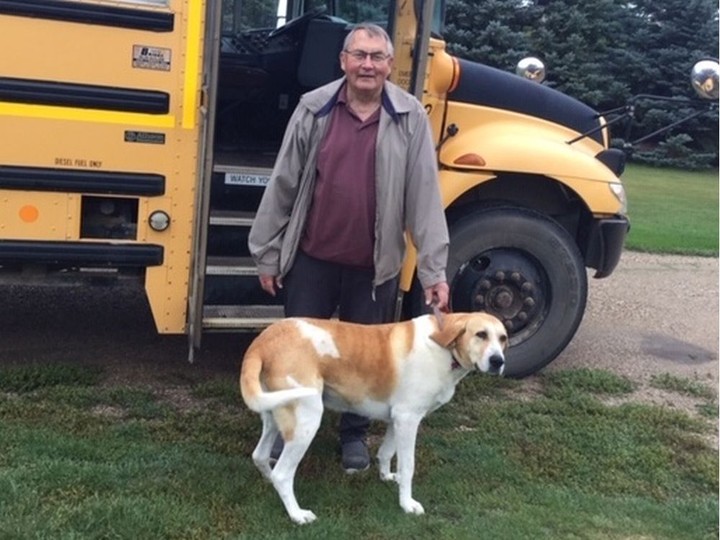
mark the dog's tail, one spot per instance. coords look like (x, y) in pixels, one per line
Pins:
(255, 397)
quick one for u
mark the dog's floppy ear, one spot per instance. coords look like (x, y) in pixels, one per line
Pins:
(451, 330)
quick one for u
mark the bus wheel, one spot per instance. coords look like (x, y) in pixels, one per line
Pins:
(526, 270)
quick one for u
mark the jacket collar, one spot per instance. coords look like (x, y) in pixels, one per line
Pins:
(321, 101)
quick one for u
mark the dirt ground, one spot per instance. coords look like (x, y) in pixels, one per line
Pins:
(654, 315)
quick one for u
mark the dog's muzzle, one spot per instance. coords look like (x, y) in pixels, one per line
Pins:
(496, 364)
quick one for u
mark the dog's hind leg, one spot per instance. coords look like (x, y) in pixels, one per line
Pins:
(261, 454)
(386, 453)
(308, 413)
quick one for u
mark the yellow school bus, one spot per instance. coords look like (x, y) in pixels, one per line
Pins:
(138, 135)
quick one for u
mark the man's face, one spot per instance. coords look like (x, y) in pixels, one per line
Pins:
(366, 63)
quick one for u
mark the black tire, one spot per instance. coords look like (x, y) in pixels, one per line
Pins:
(525, 269)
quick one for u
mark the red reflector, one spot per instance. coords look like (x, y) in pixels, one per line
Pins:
(470, 159)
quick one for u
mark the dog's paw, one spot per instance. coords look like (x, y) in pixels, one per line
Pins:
(302, 517)
(412, 507)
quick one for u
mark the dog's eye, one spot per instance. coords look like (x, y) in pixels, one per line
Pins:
(503, 338)
(482, 334)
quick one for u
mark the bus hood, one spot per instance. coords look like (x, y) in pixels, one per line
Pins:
(483, 85)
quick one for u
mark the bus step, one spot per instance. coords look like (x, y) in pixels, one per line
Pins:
(230, 266)
(231, 218)
(250, 162)
(249, 318)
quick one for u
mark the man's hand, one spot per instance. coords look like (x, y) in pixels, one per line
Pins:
(438, 296)
(268, 283)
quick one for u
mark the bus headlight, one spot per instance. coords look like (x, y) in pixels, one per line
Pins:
(159, 220)
(619, 191)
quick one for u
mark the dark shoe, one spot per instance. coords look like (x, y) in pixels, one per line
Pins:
(355, 456)
(277, 449)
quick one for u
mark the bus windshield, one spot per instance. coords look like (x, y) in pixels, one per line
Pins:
(245, 15)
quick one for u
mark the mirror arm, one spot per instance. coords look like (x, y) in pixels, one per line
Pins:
(667, 128)
(451, 131)
(653, 97)
(629, 113)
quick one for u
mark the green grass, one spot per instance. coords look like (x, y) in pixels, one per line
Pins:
(689, 387)
(83, 459)
(681, 385)
(588, 380)
(672, 211)
(23, 378)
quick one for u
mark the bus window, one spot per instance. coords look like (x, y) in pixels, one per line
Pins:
(242, 15)
(371, 10)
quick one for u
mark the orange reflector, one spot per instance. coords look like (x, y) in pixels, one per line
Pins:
(29, 213)
(470, 159)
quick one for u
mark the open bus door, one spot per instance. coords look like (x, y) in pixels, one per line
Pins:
(209, 90)
(264, 59)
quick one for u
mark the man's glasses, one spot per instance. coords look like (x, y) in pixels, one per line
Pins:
(360, 56)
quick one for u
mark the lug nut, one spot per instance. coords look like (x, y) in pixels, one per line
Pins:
(500, 275)
(529, 302)
(527, 287)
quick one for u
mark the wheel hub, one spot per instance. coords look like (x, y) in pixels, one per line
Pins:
(505, 283)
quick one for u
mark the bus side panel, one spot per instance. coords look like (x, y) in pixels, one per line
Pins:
(100, 126)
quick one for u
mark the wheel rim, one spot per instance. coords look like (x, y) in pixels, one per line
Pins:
(507, 283)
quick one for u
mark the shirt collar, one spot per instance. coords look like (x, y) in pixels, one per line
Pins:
(341, 97)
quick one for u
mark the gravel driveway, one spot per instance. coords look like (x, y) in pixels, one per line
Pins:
(654, 315)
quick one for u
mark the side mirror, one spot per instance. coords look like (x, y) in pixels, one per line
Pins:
(531, 68)
(704, 79)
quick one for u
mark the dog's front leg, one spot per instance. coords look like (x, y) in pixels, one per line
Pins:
(406, 426)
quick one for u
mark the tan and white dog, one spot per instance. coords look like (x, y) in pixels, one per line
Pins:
(396, 373)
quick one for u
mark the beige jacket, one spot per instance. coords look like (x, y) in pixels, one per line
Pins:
(407, 192)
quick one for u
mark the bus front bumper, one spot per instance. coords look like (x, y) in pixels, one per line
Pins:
(605, 244)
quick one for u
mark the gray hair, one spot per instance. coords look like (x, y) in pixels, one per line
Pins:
(372, 30)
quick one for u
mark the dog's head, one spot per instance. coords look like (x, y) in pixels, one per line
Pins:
(477, 341)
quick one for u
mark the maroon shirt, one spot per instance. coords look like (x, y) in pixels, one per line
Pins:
(340, 226)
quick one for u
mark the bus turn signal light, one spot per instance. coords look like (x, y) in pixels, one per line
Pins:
(470, 159)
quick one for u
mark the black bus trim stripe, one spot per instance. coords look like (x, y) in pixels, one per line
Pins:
(98, 254)
(81, 181)
(78, 12)
(85, 96)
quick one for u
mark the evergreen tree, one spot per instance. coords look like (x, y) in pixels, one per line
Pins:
(586, 49)
(494, 32)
